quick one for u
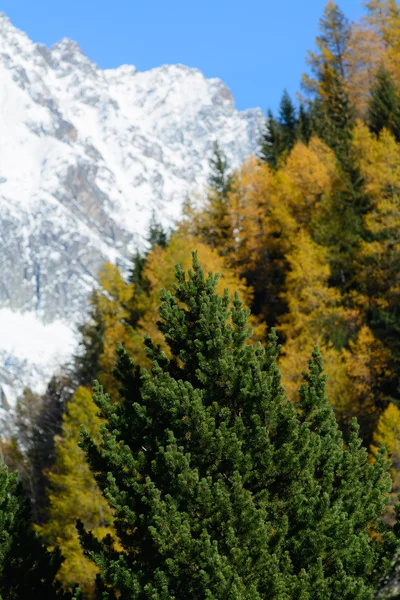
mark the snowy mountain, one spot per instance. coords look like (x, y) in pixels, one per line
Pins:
(86, 155)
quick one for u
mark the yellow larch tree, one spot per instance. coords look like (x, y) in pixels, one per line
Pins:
(315, 316)
(379, 264)
(73, 494)
(365, 54)
(114, 302)
(388, 433)
(384, 19)
(267, 209)
(332, 46)
(368, 368)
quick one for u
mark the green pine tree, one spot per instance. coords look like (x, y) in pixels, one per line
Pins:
(86, 362)
(305, 130)
(220, 178)
(221, 487)
(157, 236)
(340, 224)
(271, 143)
(384, 105)
(280, 134)
(288, 122)
(215, 229)
(27, 569)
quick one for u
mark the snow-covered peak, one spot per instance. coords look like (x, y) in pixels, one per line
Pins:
(12, 39)
(67, 57)
(86, 156)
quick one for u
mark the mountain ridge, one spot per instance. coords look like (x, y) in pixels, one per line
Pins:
(86, 156)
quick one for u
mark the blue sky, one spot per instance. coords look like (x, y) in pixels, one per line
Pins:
(257, 47)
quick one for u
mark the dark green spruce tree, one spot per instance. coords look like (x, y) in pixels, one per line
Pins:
(305, 128)
(221, 487)
(220, 178)
(156, 236)
(27, 569)
(271, 143)
(288, 122)
(280, 134)
(384, 105)
(340, 225)
(87, 360)
(216, 231)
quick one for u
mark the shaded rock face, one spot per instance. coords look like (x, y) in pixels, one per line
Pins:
(86, 155)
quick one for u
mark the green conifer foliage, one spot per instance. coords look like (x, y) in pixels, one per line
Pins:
(337, 118)
(216, 228)
(271, 144)
(280, 134)
(157, 236)
(27, 569)
(304, 125)
(220, 178)
(222, 488)
(87, 367)
(384, 105)
(288, 122)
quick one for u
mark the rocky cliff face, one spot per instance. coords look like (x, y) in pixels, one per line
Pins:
(86, 155)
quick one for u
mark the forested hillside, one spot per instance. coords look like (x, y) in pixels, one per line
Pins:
(205, 475)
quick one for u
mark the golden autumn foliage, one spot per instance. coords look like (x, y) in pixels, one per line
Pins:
(331, 47)
(315, 317)
(379, 160)
(114, 300)
(387, 433)
(265, 210)
(73, 494)
(357, 364)
(365, 53)
(268, 208)
(384, 20)
(368, 370)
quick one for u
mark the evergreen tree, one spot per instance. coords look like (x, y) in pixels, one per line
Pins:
(288, 122)
(157, 236)
(280, 134)
(384, 105)
(305, 128)
(215, 228)
(271, 143)
(86, 362)
(27, 569)
(220, 178)
(342, 215)
(220, 486)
